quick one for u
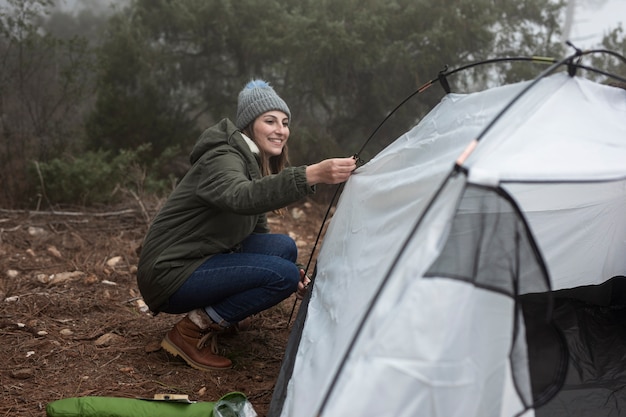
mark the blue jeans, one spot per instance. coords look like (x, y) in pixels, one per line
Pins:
(233, 286)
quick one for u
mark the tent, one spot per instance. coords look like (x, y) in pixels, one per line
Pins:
(465, 278)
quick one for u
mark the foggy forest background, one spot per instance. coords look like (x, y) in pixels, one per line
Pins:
(102, 105)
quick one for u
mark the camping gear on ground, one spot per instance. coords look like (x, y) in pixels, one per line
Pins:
(490, 286)
(234, 404)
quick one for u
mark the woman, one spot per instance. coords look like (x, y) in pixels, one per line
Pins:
(209, 252)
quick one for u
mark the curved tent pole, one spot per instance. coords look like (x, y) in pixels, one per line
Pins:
(537, 59)
(456, 169)
(441, 77)
(599, 71)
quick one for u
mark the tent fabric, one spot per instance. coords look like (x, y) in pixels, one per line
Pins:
(429, 302)
(572, 220)
(556, 133)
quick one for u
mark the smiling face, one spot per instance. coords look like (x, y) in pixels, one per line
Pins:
(271, 131)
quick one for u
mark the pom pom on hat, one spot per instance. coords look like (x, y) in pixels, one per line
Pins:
(256, 98)
(257, 84)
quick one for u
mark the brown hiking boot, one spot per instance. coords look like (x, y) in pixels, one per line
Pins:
(197, 346)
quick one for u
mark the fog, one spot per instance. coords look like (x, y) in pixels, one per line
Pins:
(76, 6)
(592, 19)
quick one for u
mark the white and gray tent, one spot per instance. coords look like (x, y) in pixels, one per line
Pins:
(489, 286)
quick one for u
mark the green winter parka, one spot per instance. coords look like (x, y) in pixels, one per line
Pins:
(220, 201)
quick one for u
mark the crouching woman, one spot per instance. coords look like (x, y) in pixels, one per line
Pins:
(209, 251)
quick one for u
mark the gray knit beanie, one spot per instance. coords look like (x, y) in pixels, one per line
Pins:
(256, 98)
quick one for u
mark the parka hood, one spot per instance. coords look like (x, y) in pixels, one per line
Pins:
(217, 135)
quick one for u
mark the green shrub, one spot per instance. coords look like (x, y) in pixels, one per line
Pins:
(98, 177)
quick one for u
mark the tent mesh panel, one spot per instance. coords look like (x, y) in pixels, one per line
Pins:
(491, 247)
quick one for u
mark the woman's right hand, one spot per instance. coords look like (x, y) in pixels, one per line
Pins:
(330, 171)
(303, 285)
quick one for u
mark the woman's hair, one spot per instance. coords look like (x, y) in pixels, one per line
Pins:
(273, 164)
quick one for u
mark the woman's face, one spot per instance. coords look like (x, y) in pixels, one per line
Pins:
(271, 131)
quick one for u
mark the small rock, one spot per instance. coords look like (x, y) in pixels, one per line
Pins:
(66, 332)
(90, 280)
(114, 261)
(36, 231)
(12, 273)
(52, 250)
(43, 278)
(297, 213)
(108, 339)
(153, 346)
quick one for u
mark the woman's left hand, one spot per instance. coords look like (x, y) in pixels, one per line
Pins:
(303, 285)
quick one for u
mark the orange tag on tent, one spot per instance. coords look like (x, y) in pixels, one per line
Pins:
(468, 150)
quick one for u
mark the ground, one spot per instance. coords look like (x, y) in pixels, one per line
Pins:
(72, 324)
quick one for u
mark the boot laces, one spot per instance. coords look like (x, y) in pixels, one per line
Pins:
(209, 340)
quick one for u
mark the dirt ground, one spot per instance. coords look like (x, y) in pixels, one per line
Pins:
(72, 325)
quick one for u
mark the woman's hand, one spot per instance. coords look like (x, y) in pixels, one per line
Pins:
(302, 285)
(330, 171)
